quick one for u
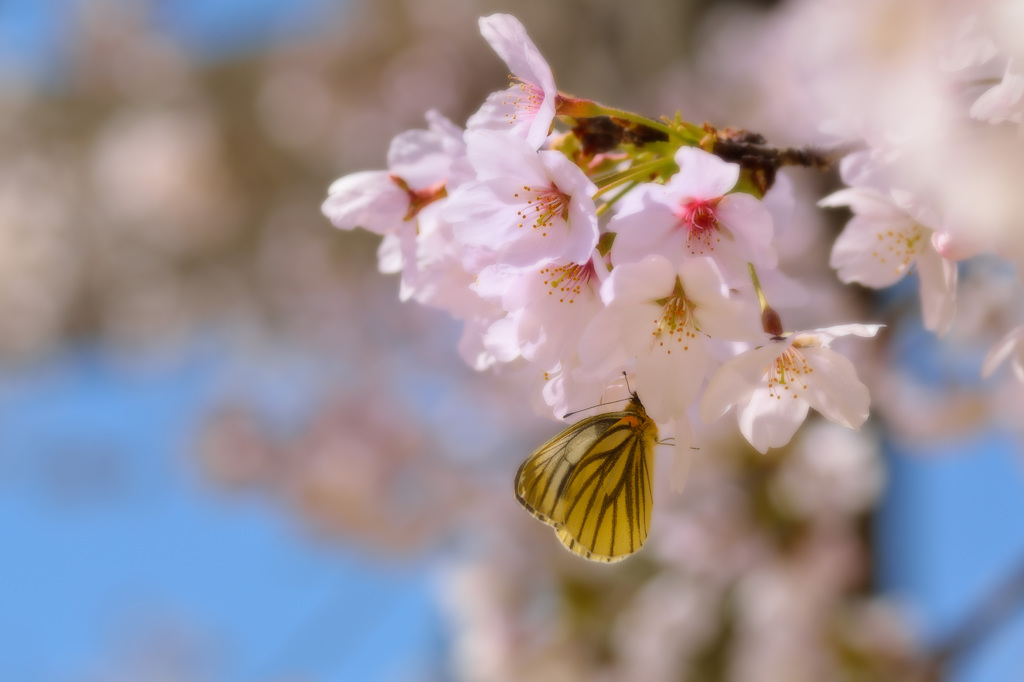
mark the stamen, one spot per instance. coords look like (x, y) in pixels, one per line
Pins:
(788, 375)
(900, 247)
(676, 324)
(567, 281)
(526, 102)
(547, 204)
(699, 219)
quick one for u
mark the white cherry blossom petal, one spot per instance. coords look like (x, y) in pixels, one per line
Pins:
(508, 38)
(702, 175)
(371, 200)
(659, 317)
(1010, 346)
(683, 453)
(751, 225)
(864, 201)
(652, 229)
(501, 340)
(826, 335)
(715, 313)
(834, 389)
(607, 342)
(389, 254)
(640, 282)
(736, 377)
(937, 277)
(422, 158)
(768, 422)
(877, 254)
(1003, 102)
(771, 387)
(669, 382)
(527, 107)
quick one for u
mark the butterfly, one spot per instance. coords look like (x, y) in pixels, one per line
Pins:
(592, 483)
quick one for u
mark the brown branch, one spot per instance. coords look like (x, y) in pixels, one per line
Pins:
(599, 134)
(763, 156)
(764, 161)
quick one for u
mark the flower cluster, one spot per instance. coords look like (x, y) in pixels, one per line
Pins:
(935, 180)
(623, 245)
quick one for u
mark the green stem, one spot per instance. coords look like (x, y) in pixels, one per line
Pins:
(771, 322)
(603, 208)
(630, 174)
(761, 299)
(637, 118)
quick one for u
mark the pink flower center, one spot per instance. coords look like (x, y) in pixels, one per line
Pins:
(419, 198)
(568, 281)
(544, 206)
(525, 99)
(701, 223)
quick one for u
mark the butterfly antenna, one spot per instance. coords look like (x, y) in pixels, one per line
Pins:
(627, 383)
(610, 402)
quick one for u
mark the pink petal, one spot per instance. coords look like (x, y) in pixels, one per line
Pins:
(642, 282)
(769, 422)
(702, 175)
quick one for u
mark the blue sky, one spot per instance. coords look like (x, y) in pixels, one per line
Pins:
(147, 542)
(35, 34)
(950, 532)
(949, 526)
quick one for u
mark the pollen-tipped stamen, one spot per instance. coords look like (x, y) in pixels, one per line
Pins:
(568, 281)
(547, 205)
(676, 324)
(528, 102)
(788, 374)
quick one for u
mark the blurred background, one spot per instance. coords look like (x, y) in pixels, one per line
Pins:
(228, 452)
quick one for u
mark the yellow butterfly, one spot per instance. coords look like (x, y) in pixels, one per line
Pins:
(592, 483)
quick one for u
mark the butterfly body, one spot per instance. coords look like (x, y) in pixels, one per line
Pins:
(592, 483)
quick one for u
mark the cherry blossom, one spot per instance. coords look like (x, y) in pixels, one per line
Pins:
(548, 306)
(563, 390)
(660, 316)
(504, 226)
(373, 200)
(883, 242)
(433, 271)
(527, 107)
(420, 163)
(525, 206)
(693, 215)
(773, 385)
(580, 245)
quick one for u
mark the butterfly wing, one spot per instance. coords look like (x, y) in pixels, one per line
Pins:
(592, 483)
(541, 479)
(607, 498)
